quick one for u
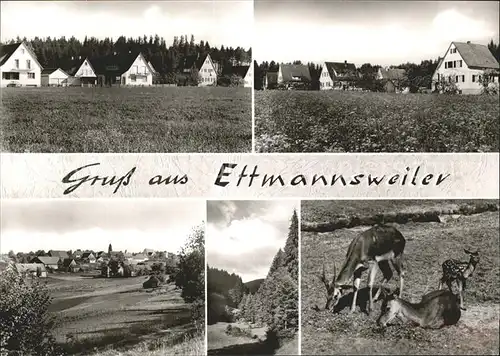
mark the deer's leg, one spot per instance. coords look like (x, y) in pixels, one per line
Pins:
(398, 266)
(387, 273)
(356, 283)
(371, 279)
(460, 292)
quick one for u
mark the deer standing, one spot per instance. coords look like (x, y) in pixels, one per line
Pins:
(377, 247)
(458, 271)
(435, 310)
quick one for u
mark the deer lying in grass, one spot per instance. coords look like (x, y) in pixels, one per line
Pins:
(458, 272)
(435, 310)
(377, 247)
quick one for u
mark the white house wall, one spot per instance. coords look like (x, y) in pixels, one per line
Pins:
(138, 69)
(207, 73)
(56, 78)
(248, 80)
(85, 70)
(465, 74)
(27, 76)
(325, 81)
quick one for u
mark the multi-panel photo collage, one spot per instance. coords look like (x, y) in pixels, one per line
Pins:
(249, 177)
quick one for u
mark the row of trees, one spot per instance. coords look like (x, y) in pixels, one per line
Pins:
(276, 302)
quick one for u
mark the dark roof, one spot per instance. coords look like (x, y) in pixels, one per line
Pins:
(61, 254)
(67, 262)
(344, 69)
(116, 64)
(236, 70)
(392, 73)
(6, 51)
(292, 71)
(47, 260)
(476, 55)
(87, 254)
(194, 61)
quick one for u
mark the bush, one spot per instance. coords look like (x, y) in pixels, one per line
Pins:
(24, 318)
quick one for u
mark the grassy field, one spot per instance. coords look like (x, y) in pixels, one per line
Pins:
(181, 119)
(428, 245)
(334, 121)
(96, 315)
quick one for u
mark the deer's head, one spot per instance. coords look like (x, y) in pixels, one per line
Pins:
(474, 257)
(333, 291)
(389, 308)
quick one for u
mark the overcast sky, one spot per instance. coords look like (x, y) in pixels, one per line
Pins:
(377, 32)
(227, 23)
(128, 224)
(243, 237)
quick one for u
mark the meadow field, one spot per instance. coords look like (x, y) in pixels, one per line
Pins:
(116, 316)
(338, 121)
(428, 245)
(147, 119)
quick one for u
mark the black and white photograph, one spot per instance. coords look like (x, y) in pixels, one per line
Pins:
(417, 277)
(102, 277)
(376, 76)
(252, 277)
(126, 76)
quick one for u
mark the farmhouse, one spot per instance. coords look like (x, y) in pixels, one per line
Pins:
(244, 72)
(54, 77)
(294, 75)
(88, 257)
(70, 265)
(270, 80)
(47, 261)
(31, 269)
(82, 72)
(338, 75)
(206, 68)
(468, 65)
(392, 78)
(19, 66)
(128, 69)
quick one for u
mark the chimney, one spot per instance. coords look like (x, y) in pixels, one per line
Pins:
(345, 62)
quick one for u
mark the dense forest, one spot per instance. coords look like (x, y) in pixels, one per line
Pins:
(58, 52)
(417, 75)
(275, 303)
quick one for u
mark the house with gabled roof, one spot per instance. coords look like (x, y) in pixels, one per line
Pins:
(31, 269)
(81, 72)
(123, 69)
(468, 65)
(47, 261)
(205, 66)
(244, 72)
(19, 66)
(392, 78)
(270, 80)
(69, 265)
(338, 75)
(293, 75)
(88, 257)
(54, 77)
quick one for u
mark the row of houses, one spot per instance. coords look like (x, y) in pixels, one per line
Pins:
(19, 67)
(465, 64)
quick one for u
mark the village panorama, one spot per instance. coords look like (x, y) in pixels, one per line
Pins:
(387, 81)
(102, 278)
(129, 89)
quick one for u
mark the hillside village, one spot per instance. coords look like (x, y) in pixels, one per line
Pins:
(129, 62)
(107, 264)
(465, 68)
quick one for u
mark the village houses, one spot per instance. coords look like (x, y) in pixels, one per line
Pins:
(19, 66)
(392, 78)
(338, 75)
(204, 66)
(466, 65)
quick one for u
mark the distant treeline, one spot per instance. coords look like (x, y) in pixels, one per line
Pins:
(58, 52)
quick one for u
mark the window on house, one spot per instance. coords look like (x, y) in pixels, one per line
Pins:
(10, 75)
(28, 64)
(31, 75)
(479, 78)
(17, 63)
(22, 50)
(460, 63)
(456, 78)
(463, 78)
(473, 78)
